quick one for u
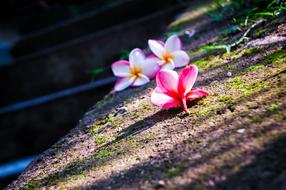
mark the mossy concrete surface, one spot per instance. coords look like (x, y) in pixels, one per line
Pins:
(233, 139)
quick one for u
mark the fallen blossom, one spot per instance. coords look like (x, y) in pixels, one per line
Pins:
(170, 54)
(175, 90)
(135, 72)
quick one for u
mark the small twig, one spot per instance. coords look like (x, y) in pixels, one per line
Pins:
(245, 34)
(228, 47)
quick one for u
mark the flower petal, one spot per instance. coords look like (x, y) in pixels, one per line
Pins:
(161, 62)
(156, 47)
(160, 99)
(121, 68)
(194, 94)
(122, 83)
(167, 81)
(181, 58)
(141, 80)
(173, 43)
(151, 56)
(187, 79)
(150, 67)
(136, 57)
(161, 42)
(169, 66)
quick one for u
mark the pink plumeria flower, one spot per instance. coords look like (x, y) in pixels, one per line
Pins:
(170, 54)
(175, 90)
(135, 72)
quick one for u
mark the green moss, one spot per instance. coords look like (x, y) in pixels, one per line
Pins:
(120, 121)
(146, 105)
(32, 185)
(100, 139)
(138, 114)
(131, 141)
(107, 153)
(118, 148)
(59, 179)
(238, 53)
(197, 52)
(206, 110)
(54, 180)
(211, 61)
(278, 117)
(273, 107)
(246, 91)
(207, 62)
(73, 173)
(257, 85)
(174, 170)
(230, 55)
(148, 136)
(259, 32)
(237, 82)
(100, 122)
(225, 98)
(73, 163)
(201, 63)
(255, 67)
(251, 51)
(76, 174)
(257, 119)
(109, 119)
(94, 128)
(276, 57)
(121, 147)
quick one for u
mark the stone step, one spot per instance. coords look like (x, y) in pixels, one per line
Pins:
(67, 64)
(29, 131)
(93, 21)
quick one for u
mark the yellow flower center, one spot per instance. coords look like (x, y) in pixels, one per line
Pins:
(167, 57)
(135, 71)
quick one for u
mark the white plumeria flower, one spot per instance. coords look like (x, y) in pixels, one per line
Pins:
(170, 54)
(135, 72)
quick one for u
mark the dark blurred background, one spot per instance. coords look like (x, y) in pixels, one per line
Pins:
(55, 58)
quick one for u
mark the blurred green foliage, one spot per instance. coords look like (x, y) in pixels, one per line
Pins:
(246, 14)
